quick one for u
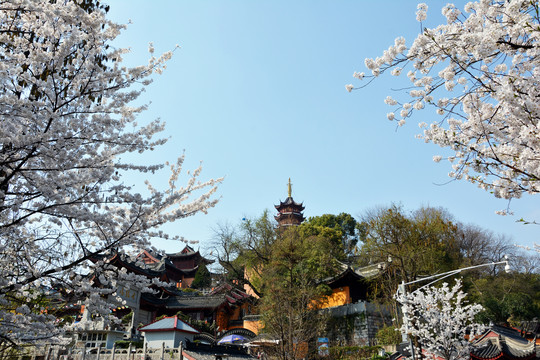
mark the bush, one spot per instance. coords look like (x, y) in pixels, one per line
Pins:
(388, 335)
(124, 344)
(355, 352)
(126, 320)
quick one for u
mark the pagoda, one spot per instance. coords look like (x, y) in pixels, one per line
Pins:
(289, 211)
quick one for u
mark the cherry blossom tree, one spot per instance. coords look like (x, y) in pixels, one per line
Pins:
(67, 118)
(479, 72)
(441, 320)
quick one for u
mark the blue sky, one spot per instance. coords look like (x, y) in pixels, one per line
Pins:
(257, 92)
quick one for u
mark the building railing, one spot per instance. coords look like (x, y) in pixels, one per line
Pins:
(130, 353)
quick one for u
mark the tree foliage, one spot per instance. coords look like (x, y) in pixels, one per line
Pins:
(407, 246)
(479, 72)
(480, 246)
(293, 290)
(67, 111)
(342, 230)
(248, 245)
(388, 335)
(508, 299)
(285, 267)
(203, 278)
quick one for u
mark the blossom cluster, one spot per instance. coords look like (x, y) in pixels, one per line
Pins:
(480, 73)
(441, 319)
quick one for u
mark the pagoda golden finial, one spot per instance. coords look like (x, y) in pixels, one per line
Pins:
(290, 187)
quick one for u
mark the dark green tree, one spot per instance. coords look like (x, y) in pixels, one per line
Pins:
(343, 230)
(508, 299)
(203, 278)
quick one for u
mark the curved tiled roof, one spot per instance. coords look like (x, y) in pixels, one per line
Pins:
(188, 252)
(500, 348)
(289, 201)
(230, 290)
(152, 270)
(121, 260)
(195, 302)
(487, 351)
(347, 274)
(224, 295)
(504, 342)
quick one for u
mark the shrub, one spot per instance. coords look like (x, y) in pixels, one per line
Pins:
(124, 344)
(355, 352)
(388, 335)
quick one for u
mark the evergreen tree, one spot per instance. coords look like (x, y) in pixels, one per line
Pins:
(203, 278)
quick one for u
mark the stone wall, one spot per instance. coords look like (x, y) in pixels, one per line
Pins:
(356, 324)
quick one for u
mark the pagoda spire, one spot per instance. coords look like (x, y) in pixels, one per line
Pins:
(289, 211)
(290, 188)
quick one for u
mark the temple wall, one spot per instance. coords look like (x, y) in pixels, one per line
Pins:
(143, 317)
(340, 296)
(356, 324)
(255, 325)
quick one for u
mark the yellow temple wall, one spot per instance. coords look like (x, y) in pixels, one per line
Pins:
(340, 296)
(254, 326)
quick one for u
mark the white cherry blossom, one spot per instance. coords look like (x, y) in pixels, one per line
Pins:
(442, 320)
(66, 104)
(481, 72)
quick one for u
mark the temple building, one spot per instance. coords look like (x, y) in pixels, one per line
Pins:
(289, 211)
(226, 306)
(223, 307)
(348, 287)
(179, 267)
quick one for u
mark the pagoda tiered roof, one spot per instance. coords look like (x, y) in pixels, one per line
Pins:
(290, 202)
(289, 211)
